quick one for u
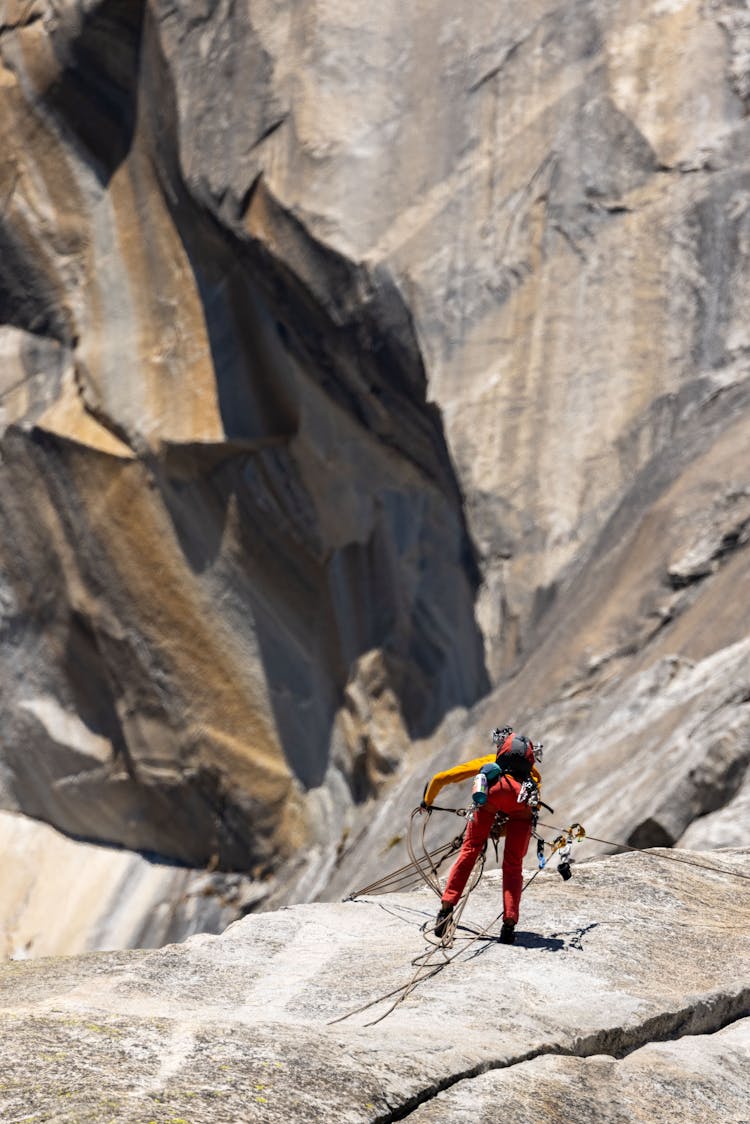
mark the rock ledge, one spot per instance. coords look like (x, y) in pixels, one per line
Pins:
(626, 997)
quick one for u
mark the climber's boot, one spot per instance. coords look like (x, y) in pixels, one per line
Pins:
(442, 920)
(508, 931)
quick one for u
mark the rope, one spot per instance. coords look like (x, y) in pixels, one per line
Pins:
(667, 858)
(426, 969)
(424, 964)
(426, 865)
(430, 880)
(407, 876)
(422, 867)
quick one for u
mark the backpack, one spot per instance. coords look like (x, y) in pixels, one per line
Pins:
(516, 756)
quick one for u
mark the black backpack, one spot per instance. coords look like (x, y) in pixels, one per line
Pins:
(512, 757)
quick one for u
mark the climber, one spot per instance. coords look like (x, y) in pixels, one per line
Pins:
(512, 788)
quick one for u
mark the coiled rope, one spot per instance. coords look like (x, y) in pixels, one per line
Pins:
(425, 866)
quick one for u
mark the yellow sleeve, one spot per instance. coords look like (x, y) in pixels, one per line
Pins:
(454, 775)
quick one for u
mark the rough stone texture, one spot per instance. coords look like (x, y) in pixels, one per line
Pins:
(618, 994)
(356, 363)
(703, 1077)
(242, 500)
(60, 897)
(655, 758)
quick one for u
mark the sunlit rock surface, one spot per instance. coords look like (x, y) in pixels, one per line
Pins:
(358, 363)
(622, 999)
(62, 897)
(228, 507)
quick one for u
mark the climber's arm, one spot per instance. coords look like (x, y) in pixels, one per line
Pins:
(453, 776)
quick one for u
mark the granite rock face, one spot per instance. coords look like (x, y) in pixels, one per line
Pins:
(226, 501)
(701, 1075)
(619, 1001)
(356, 364)
(61, 897)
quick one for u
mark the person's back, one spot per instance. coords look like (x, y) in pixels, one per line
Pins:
(512, 789)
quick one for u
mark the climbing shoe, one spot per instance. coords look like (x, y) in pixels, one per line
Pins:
(508, 932)
(441, 921)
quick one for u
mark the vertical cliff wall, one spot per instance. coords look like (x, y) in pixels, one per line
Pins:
(227, 504)
(356, 361)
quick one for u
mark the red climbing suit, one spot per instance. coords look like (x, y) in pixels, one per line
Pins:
(501, 797)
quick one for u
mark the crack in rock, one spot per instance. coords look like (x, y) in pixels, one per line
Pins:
(704, 1016)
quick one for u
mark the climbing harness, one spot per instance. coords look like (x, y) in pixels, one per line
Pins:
(424, 865)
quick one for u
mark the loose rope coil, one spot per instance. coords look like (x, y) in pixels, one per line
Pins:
(424, 866)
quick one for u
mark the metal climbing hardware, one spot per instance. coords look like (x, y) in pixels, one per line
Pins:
(497, 831)
(573, 834)
(528, 794)
(563, 866)
(564, 844)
